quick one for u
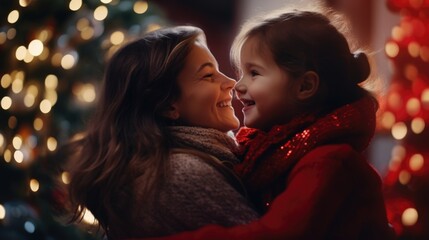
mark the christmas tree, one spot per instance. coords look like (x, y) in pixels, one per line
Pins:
(53, 54)
(405, 114)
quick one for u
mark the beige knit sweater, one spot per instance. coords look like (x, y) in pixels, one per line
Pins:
(196, 193)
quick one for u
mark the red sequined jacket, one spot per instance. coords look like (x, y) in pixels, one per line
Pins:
(311, 180)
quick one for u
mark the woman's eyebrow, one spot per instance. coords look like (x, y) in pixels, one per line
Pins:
(207, 64)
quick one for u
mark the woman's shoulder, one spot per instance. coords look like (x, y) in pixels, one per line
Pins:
(190, 166)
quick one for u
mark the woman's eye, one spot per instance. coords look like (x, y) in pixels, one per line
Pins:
(208, 76)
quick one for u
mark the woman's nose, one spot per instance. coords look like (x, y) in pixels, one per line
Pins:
(228, 83)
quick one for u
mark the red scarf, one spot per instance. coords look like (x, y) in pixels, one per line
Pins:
(269, 155)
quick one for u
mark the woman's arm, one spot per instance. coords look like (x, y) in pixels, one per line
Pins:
(196, 195)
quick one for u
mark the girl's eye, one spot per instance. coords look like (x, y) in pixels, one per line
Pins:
(254, 73)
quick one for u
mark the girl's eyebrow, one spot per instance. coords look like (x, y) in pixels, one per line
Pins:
(250, 65)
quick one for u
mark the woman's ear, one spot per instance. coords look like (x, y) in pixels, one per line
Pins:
(308, 85)
(172, 112)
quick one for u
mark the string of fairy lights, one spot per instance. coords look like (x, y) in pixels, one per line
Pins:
(406, 112)
(18, 142)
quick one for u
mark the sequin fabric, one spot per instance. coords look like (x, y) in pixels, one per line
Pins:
(270, 155)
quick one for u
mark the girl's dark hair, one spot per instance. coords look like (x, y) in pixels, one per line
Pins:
(127, 143)
(301, 41)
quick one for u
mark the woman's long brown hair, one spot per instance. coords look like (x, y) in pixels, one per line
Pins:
(127, 141)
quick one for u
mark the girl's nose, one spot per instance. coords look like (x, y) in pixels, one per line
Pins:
(240, 87)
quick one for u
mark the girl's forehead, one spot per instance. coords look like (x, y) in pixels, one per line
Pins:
(254, 46)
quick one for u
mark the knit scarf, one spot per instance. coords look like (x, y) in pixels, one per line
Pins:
(270, 155)
(207, 140)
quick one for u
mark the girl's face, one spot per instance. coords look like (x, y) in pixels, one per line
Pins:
(206, 93)
(266, 91)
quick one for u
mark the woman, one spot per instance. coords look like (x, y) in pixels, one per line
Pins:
(156, 159)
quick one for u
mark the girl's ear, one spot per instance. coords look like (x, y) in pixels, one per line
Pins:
(172, 112)
(308, 85)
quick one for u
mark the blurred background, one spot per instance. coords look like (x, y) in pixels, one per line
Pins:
(52, 58)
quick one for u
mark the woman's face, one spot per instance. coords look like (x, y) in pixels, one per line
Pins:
(206, 93)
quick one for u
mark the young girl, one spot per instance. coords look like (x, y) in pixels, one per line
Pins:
(308, 123)
(151, 161)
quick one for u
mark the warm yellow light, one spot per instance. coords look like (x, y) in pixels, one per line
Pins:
(391, 49)
(411, 72)
(418, 125)
(28, 57)
(32, 90)
(18, 156)
(424, 53)
(68, 61)
(17, 85)
(6, 102)
(51, 143)
(85, 92)
(45, 106)
(24, 3)
(1, 140)
(416, 162)
(13, 16)
(75, 5)
(399, 130)
(106, 1)
(89, 93)
(51, 81)
(45, 35)
(52, 96)
(29, 100)
(413, 106)
(2, 212)
(425, 97)
(387, 120)
(394, 100)
(38, 124)
(117, 37)
(17, 142)
(7, 155)
(87, 33)
(404, 177)
(65, 177)
(414, 49)
(100, 13)
(34, 185)
(82, 23)
(409, 217)
(56, 59)
(20, 53)
(397, 33)
(140, 7)
(88, 217)
(35, 47)
(6, 80)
